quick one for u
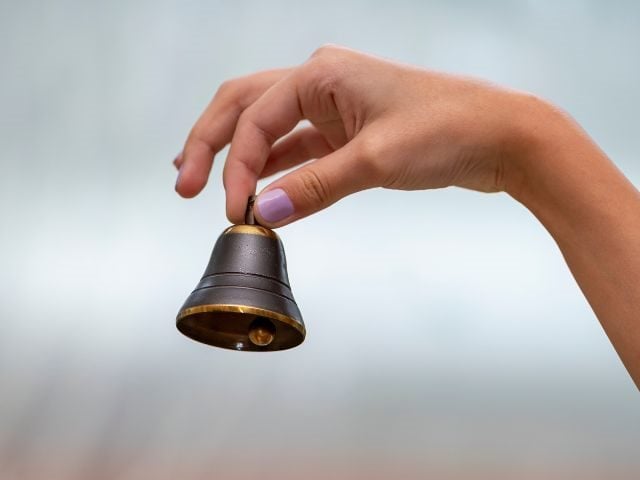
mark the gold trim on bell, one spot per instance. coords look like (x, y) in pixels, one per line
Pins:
(246, 309)
(251, 230)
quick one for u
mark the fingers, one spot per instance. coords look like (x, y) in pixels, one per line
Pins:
(296, 148)
(316, 186)
(214, 129)
(272, 116)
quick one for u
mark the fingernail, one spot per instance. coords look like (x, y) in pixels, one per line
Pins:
(274, 205)
(178, 179)
(177, 160)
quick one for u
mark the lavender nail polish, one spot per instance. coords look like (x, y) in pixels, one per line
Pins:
(274, 205)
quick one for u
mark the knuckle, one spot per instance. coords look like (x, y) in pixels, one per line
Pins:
(226, 88)
(327, 49)
(323, 75)
(369, 149)
(370, 158)
(327, 67)
(200, 138)
(314, 187)
(229, 92)
(326, 59)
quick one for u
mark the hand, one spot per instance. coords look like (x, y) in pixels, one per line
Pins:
(374, 123)
(379, 124)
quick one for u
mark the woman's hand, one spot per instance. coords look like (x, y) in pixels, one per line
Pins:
(374, 123)
(379, 124)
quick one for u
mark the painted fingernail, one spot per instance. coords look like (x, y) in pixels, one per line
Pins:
(274, 205)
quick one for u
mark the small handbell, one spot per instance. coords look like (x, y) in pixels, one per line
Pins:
(244, 300)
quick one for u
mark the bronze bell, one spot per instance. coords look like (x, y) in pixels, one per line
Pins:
(244, 301)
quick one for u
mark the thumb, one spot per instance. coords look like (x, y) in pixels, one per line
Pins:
(313, 187)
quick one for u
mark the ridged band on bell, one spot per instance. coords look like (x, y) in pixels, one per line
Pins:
(244, 300)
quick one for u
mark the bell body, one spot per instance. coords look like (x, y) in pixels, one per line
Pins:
(244, 300)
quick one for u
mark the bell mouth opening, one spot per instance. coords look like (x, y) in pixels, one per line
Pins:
(242, 328)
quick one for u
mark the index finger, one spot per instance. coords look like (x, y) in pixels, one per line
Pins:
(269, 118)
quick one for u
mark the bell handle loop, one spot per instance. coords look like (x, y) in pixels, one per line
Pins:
(249, 219)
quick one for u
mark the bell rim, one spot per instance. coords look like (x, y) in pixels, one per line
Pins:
(244, 309)
(251, 230)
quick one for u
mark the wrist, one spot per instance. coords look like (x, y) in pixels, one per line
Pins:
(539, 137)
(560, 174)
(552, 157)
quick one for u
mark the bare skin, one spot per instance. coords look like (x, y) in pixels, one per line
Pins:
(375, 123)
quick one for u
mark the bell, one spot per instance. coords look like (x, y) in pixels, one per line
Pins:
(244, 301)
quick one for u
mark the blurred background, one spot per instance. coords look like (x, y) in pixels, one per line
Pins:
(495, 368)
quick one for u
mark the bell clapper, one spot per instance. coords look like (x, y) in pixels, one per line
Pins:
(261, 332)
(248, 216)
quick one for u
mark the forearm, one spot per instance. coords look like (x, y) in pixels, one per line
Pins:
(593, 213)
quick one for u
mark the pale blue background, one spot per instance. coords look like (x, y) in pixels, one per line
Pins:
(495, 367)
